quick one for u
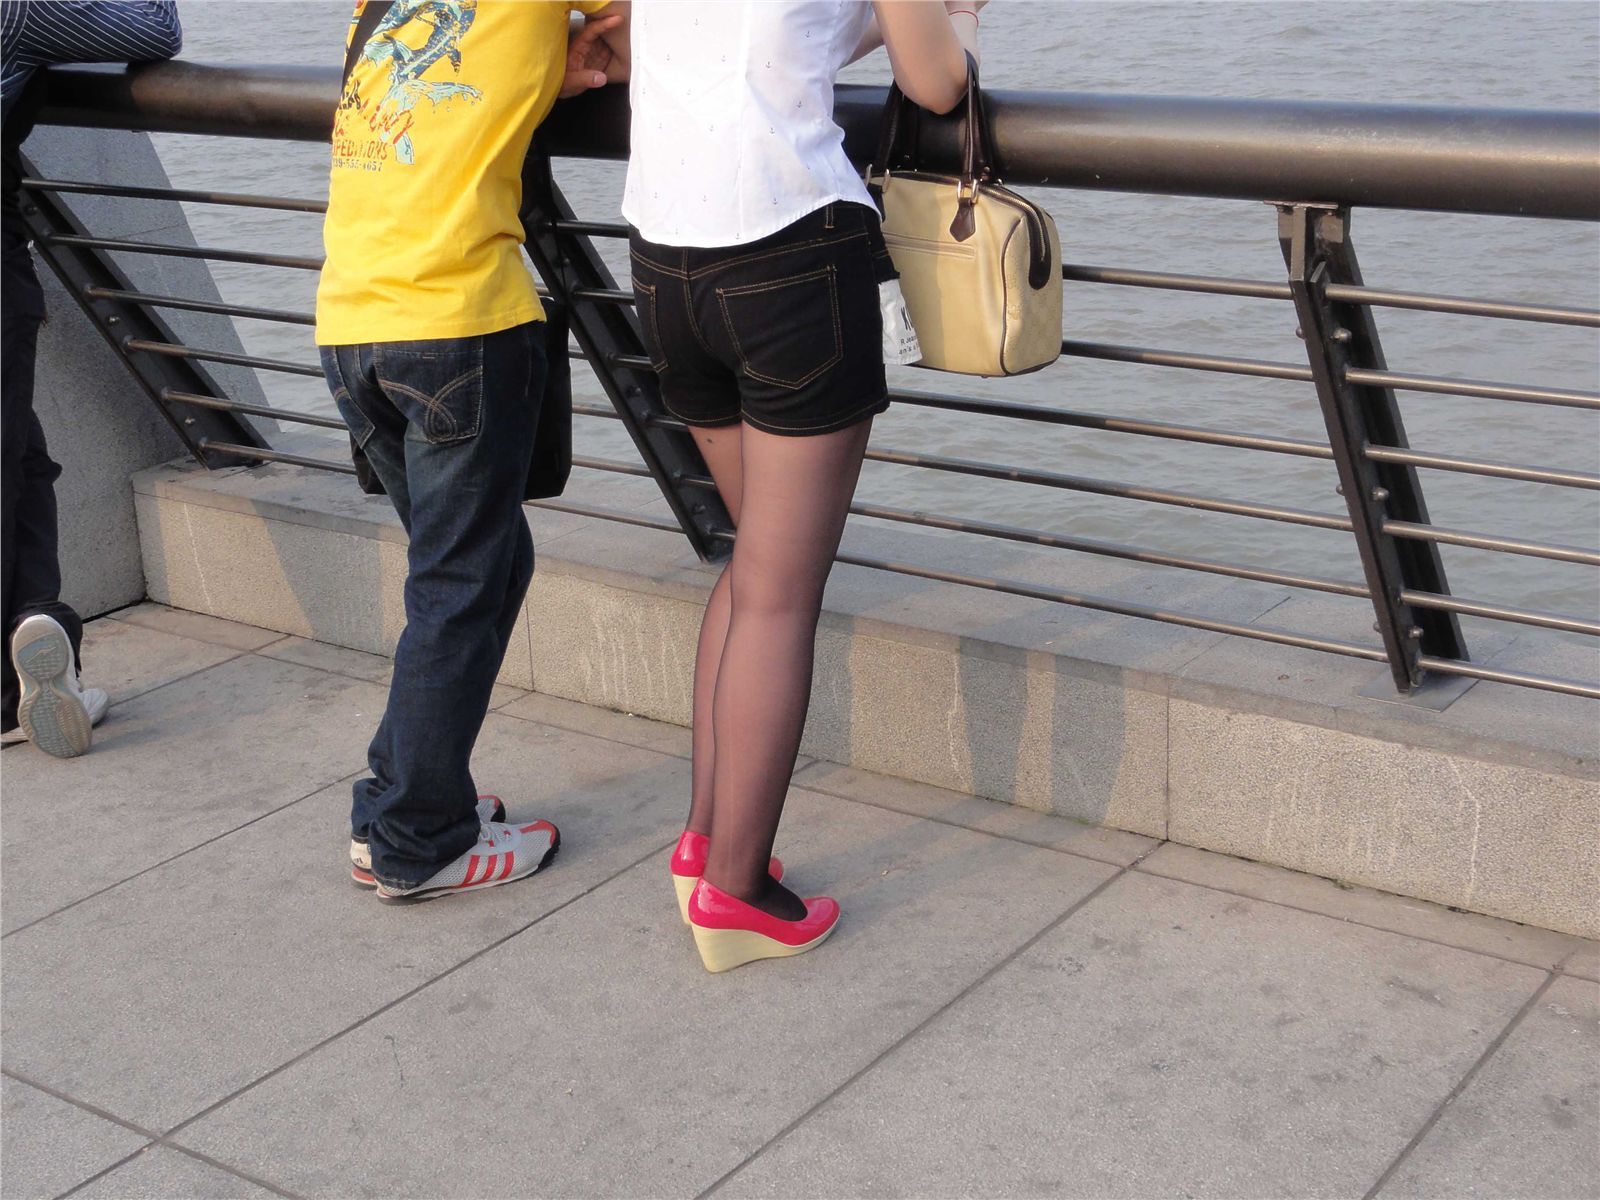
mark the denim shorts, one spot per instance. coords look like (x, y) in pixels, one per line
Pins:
(785, 333)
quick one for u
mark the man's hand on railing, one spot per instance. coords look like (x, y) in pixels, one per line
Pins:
(591, 60)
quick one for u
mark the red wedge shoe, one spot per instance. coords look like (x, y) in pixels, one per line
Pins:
(689, 863)
(729, 933)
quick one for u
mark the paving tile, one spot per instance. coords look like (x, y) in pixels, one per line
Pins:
(1164, 1041)
(1402, 914)
(503, 695)
(127, 660)
(1585, 961)
(161, 1173)
(197, 626)
(1527, 1123)
(214, 969)
(358, 664)
(601, 722)
(173, 768)
(50, 1145)
(974, 812)
(643, 1075)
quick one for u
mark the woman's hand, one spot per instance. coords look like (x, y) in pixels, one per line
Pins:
(928, 48)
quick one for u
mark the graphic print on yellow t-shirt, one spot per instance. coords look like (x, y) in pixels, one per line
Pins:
(371, 129)
(422, 234)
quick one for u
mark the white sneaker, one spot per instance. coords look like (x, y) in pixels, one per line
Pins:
(489, 809)
(54, 712)
(95, 703)
(504, 853)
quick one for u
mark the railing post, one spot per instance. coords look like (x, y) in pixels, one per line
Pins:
(1317, 247)
(122, 323)
(608, 333)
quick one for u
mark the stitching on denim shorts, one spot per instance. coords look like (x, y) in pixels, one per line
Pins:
(747, 259)
(850, 418)
(654, 265)
(828, 273)
(694, 325)
(433, 404)
(649, 289)
(702, 422)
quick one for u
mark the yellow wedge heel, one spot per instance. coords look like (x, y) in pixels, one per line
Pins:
(684, 886)
(724, 949)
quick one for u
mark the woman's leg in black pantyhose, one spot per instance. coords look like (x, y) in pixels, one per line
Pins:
(720, 448)
(795, 497)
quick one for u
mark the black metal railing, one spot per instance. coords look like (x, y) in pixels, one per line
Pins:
(1312, 161)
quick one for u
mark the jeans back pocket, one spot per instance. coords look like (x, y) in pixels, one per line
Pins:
(785, 331)
(436, 385)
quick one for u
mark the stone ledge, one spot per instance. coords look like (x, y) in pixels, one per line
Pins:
(1110, 720)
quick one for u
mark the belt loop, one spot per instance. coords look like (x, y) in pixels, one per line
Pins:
(827, 217)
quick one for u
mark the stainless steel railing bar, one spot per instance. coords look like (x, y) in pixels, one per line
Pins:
(1500, 612)
(1492, 541)
(185, 195)
(1056, 541)
(607, 464)
(1184, 360)
(1104, 487)
(281, 315)
(1548, 683)
(1113, 424)
(1172, 281)
(1264, 289)
(210, 254)
(1485, 389)
(172, 396)
(178, 350)
(259, 452)
(666, 525)
(1478, 466)
(1553, 314)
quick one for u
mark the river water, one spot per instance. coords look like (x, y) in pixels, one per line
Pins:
(1534, 55)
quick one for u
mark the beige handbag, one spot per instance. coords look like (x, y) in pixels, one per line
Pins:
(980, 266)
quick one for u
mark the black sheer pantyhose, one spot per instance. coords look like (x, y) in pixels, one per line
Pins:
(790, 497)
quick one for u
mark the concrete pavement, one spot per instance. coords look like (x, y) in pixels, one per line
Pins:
(197, 1004)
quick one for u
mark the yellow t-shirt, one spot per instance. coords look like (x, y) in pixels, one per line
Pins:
(422, 235)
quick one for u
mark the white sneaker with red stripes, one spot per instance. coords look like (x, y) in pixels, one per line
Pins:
(504, 853)
(489, 809)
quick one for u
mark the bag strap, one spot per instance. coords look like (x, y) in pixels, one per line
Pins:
(898, 142)
(372, 13)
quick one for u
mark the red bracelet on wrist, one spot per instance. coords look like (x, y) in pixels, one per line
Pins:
(969, 12)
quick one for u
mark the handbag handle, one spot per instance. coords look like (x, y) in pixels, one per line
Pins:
(898, 141)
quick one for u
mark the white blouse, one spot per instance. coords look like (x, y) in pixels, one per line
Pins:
(733, 130)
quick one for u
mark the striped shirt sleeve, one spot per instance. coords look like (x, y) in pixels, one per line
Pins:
(36, 33)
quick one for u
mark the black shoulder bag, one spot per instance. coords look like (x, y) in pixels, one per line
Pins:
(551, 463)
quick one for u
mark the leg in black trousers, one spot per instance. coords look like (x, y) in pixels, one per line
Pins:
(30, 571)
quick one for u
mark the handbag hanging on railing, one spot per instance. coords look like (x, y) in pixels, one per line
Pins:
(980, 266)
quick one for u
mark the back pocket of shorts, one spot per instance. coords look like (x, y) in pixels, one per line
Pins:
(785, 331)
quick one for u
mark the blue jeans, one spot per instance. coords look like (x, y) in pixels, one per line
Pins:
(448, 427)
